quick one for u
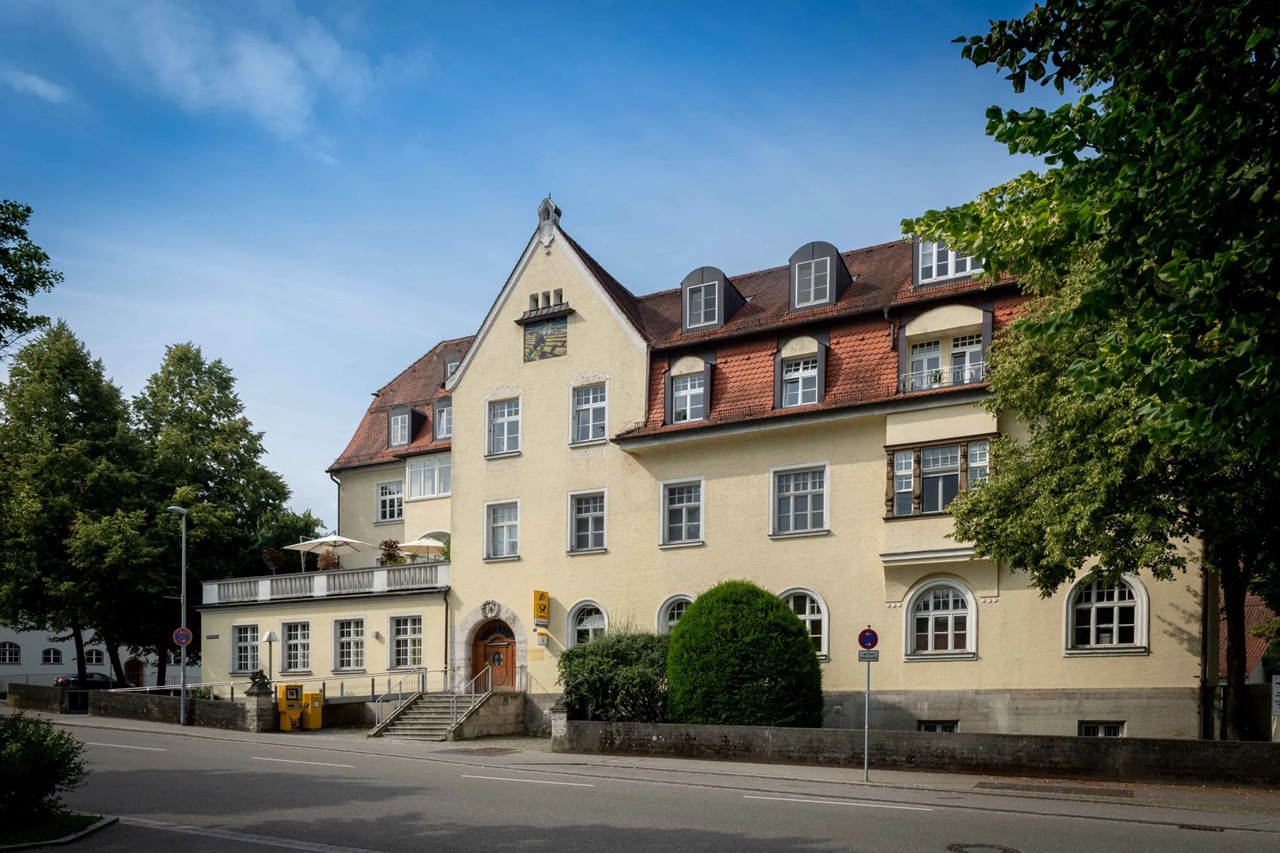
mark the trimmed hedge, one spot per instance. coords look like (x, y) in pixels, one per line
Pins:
(38, 761)
(740, 657)
(621, 677)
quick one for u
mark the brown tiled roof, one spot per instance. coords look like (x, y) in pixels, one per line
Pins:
(623, 298)
(1255, 613)
(418, 386)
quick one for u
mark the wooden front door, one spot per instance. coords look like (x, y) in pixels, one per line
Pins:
(134, 672)
(495, 647)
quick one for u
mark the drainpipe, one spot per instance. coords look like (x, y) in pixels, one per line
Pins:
(446, 633)
(337, 529)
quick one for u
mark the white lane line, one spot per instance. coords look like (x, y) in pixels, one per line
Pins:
(313, 763)
(840, 803)
(122, 746)
(228, 835)
(529, 781)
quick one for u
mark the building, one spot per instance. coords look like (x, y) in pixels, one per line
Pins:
(803, 427)
(35, 657)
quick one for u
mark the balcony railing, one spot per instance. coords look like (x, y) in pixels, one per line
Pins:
(424, 576)
(942, 377)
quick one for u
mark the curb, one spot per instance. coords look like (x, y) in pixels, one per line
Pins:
(106, 821)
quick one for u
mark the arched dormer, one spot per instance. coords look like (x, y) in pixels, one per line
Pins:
(688, 388)
(707, 299)
(818, 276)
(800, 371)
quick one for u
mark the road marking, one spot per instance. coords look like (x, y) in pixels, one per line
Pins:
(840, 803)
(122, 746)
(226, 834)
(313, 763)
(529, 781)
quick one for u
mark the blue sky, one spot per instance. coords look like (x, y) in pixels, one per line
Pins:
(316, 192)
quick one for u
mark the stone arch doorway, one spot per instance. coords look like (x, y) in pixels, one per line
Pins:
(134, 672)
(495, 647)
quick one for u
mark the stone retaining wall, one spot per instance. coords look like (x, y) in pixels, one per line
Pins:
(36, 697)
(166, 709)
(500, 714)
(1113, 759)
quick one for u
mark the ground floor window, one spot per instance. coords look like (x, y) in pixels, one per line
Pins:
(946, 726)
(95, 657)
(51, 656)
(297, 646)
(350, 643)
(1113, 728)
(244, 648)
(406, 641)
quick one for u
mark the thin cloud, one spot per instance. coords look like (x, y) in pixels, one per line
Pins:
(31, 84)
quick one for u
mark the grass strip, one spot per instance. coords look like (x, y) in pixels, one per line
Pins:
(67, 823)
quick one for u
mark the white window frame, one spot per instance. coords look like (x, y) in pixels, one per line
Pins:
(1100, 727)
(589, 410)
(971, 367)
(814, 299)
(51, 657)
(938, 726)
(299, 647)
(395, 641)
(571, 620)
(663, 487)
(380, 502)
(252, 647)
(952, 259)
(937, 475)
(824, 650)
(399, 430)
(488, 532)
(1141, 622)
(774, 474)
(662, 624)
(979, 449)
(444, 422)
(95, 657)
(432, 466)
(10, 654)
(510, 443)
(926, 588)
(800, 375)
(684, 399)
(359, 644)
(714, 288)
(571, 512)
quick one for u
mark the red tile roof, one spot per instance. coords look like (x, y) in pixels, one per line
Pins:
(418, 386)
(1255, 613)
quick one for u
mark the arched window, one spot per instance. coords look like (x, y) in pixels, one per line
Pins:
(942, 621)
(51, 656)
(812, 610)
(671, 611)
(95, 657)
(587, 622)
(1107, 616)
(10, 653)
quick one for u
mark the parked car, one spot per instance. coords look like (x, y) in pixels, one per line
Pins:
(92, 681)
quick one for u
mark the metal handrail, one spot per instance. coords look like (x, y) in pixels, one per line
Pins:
(419, 676)
(941, 377)
(191, 687)
(469, 689)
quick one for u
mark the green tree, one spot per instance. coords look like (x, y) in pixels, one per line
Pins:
(740, 657)
(24, 272)
(1164, 166)
(274, 531)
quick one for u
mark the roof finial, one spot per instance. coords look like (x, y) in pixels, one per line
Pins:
(548, 220)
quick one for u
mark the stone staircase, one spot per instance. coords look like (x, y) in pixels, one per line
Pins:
(426, 718)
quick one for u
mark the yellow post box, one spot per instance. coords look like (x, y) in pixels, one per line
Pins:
(312, 705)
(289, 703)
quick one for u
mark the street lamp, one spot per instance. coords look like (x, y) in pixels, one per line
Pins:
(270, 640)
(182, 711)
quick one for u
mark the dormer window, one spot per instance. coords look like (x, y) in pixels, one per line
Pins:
(701, 305)
(688, 388)
(444, 418)
(813, 283)
(799, 371)
(708, 300)
(398, 426)
(451, 366)
(799, 382)
(936, 262)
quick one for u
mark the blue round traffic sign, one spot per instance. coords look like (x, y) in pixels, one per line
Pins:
(182, 636)
(868, 639)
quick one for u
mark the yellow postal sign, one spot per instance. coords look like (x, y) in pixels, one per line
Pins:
(541, 607)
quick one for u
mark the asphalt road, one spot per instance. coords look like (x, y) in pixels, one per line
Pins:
(177, 793)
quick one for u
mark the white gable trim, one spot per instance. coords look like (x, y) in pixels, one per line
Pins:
(603, 295)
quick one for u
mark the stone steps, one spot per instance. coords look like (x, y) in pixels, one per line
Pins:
(428, 718)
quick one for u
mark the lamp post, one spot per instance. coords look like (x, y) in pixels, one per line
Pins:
(182, 711)
(270, 640)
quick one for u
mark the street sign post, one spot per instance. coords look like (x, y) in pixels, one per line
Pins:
(867, 639)
(182, 636)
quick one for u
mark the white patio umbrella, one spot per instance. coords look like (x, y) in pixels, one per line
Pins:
(336, 545)
(426, 547)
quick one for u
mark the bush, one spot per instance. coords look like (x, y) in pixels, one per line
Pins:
(37, 763)
(621, 677)
(740, 657)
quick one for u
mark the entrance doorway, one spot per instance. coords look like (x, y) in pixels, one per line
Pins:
(495, 647)
(133, 672)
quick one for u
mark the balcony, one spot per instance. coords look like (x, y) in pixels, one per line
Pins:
(942, 377)
(427, 577)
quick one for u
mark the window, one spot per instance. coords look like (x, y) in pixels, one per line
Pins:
(799, 501)
(51, 657)
(444, 421)
(586, 514)
(948, 726)
(244, 648)
(451, 366)
(903, 481)
(1099, 729)
(940, 619)
(800, 381)
(671, 612)
(926, 366)
(940, 468)
(967, 365)
(297, 646)
(399, 429)
(700, 305)
(937, 262)
(95, 657)
(806, 604)
(350, 634)
(390, 501)
(978, 451)
(813, 282)
(504, 427)
(688, 398)
(406, 641)
(587, 622)
(682, 513)
(588, 413)
(939, 477)
(10, 653)
(430, 476)
(1104, 613)
(503, 530)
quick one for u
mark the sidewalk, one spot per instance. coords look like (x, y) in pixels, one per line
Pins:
(526, 753)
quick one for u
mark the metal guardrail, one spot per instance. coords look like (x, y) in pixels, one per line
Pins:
(942, 377)
(472, 692)
(404, 691)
